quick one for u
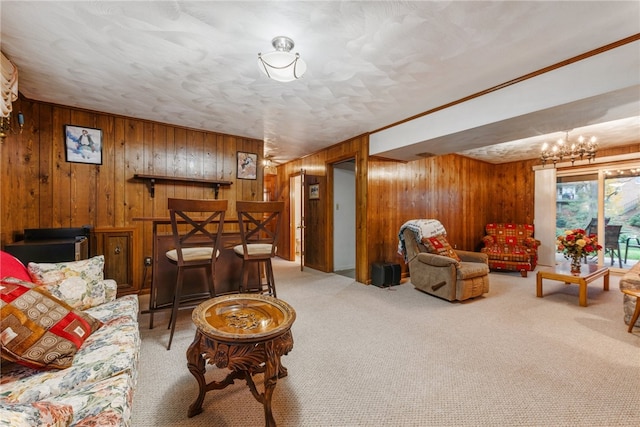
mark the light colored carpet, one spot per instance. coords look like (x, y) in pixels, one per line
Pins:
(366, 356)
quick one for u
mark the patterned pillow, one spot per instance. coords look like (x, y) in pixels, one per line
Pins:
(38, 330)
(440, 246)
(11, 266)
(78, 283)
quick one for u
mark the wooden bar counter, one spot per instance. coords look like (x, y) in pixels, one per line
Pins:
(164, 272)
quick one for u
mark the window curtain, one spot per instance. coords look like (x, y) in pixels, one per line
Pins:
(545, 215)
(9, 86)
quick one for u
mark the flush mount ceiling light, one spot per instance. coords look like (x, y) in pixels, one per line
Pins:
(282, 65)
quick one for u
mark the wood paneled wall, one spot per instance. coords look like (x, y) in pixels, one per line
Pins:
(388, 193)
(463, 193)
(318, 164)
(446, 188)
(39, 189)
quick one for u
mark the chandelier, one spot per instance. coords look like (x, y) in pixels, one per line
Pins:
(9, 89)
(564, 149)
(282, 65)
(6, 127)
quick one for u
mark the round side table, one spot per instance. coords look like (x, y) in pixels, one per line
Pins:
(246, 333)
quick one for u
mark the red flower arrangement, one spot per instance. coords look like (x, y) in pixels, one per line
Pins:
(575, 244)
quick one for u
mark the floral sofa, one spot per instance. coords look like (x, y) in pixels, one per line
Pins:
(511, 247)
(60, 379)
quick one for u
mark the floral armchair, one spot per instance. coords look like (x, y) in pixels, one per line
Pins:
(511, 247)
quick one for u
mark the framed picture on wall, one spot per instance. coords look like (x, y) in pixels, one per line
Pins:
(83, 144)
(314, 191)
(247, 165)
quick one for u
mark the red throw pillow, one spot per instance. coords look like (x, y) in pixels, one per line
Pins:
(38, 330)
(440, 246)
(11, 266)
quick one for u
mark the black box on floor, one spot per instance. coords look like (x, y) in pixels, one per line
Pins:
(385, 274)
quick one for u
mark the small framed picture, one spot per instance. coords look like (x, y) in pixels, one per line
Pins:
(83, 144)
(314, 191)
(247, 165)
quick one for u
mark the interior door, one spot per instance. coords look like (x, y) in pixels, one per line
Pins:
(315, 222)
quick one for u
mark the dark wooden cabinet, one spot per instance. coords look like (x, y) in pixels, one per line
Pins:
(117, 246)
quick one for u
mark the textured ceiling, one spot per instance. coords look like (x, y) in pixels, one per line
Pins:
(370, 64)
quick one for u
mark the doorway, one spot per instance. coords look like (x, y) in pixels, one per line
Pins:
(344, 218)
(323, 226)
(308, 236)
(296, 213)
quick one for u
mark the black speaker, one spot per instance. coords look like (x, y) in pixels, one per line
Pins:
(52, 245)
(385, 274)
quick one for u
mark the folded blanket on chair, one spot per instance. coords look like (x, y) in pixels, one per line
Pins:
(421, 228)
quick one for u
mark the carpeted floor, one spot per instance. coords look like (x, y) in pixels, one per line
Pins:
(369, 356)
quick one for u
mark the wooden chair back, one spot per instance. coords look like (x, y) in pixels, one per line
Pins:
(259, 223)
(196, 223)
(612, 236)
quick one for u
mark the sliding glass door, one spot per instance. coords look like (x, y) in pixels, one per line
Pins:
(622, 210)
(604, 201)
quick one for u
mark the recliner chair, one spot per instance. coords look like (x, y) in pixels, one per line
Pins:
(441, 275)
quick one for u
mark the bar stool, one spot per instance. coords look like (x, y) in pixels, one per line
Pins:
(197, 242)
(259, 224)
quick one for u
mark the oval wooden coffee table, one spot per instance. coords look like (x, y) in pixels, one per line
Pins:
(246, 333)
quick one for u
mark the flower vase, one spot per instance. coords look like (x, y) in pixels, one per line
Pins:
(576, 263)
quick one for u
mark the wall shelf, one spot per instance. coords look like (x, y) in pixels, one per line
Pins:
(152, 179)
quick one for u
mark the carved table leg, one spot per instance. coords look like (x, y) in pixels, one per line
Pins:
(271, 372)
(243, 357)
(196, 365)
(282, 371)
